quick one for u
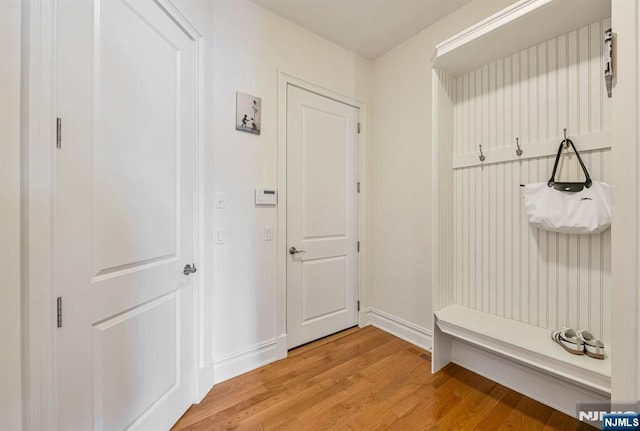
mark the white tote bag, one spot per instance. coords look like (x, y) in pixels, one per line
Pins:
(578, 208)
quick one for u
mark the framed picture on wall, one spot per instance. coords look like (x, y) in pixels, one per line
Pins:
(248, 111)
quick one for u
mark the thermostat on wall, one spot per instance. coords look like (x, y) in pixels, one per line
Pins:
(266, 197)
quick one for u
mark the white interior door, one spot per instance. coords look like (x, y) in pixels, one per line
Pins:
(322, 214)
(123, 216)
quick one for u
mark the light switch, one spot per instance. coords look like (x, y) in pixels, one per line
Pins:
(221, 201)
(268, 233)
(220, 236)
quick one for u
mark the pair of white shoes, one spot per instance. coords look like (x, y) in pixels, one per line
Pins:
(579, 343)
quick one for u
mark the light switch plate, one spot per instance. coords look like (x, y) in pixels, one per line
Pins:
(221, 201)
(221, 236)
(268, 233)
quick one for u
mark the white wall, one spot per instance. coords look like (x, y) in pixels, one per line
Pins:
(10, 370)
(398, 275)
(250, 45)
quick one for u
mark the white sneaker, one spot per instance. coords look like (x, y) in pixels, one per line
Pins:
(569, 340)
(592, 346)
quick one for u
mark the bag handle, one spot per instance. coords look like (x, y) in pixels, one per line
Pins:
(569, 187)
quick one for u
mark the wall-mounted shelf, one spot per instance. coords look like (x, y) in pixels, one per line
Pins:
(507, 31)
(531, 150)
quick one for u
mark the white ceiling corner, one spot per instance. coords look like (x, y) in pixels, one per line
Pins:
(367, 27)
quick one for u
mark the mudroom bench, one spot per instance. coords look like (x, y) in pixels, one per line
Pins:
(520, 356)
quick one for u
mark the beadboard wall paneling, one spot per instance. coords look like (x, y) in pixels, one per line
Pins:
(443, 130)
(533, 95)
(499, 263)
(504, 266)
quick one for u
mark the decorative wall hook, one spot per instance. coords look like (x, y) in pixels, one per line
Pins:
(566, 143)
(481, 157)
(518, 150)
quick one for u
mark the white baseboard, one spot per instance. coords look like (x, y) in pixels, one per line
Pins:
(205, 382)
(231, 365)
(552, 390)
(407, 331)
(363, 318)
(234, 364)
(282, 348)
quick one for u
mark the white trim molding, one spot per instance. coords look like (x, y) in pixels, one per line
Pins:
(402, 329)
(282, 346)
(284, 80)
(507, 31)
(625, 186)
(205, 379)
(236, 363)
(38, 58)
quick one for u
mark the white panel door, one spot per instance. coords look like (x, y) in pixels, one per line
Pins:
(123, 216)
(322, 214)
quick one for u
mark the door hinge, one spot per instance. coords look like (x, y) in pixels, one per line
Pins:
(358, 186)
(59, 309)
(58, 133)
(358, 303)
(358, 128)
(358, 246)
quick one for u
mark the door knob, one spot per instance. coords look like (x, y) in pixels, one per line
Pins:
(293, 251)
(188, 269)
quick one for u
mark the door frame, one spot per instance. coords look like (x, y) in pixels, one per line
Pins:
(625, 230)
(38, 169)
(284, 80)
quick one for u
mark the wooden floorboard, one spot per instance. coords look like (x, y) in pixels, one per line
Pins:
(366, 379)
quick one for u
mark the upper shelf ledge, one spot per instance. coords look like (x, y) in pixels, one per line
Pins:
(524, 24)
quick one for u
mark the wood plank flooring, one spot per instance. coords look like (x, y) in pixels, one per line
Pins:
(366, 379)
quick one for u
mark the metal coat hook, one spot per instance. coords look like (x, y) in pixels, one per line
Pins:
(566, 143)
(481, 157)
(519, 150)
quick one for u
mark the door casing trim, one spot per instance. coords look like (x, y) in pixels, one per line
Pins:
(38, 114)
(284, 80)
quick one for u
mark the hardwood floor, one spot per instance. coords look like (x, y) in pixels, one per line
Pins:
(366, 379)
